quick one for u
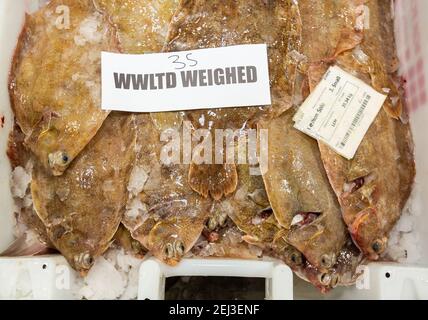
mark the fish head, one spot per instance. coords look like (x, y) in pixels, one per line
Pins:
(167, 243)
(76, 247)
(58, 161)
(362, 211)
(314, 240)
(345, 272)
(83, 262)
(366, 232)
(290, 255)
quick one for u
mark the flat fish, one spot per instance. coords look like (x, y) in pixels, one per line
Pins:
(380, 17)
(206, 24)
(300, 195)
(142, 25)
(82, 209)
(160, 215)
(329, 29)
(164, 214)
(250, 210)
(330, 26)
(374, 186)
(55, 80)
(298, 188)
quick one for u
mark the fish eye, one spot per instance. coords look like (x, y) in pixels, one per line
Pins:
(59, 158)
(211, 224)
(179, 247)
(169, 250)
(87, 261)
(296, 258)
(334, 280)
(325, 279)
(328, 260)
(378, 246)
(65, 158)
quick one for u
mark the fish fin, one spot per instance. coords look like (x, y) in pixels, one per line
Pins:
(349, 39)
(26, 245)
(394, 109)
(252, 240)
(217, 180)
(393, 105)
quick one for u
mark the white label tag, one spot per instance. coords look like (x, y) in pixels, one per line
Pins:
(339, 111)
(234, 76)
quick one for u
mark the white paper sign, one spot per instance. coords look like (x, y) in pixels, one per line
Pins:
(219, 77)
(339, 111)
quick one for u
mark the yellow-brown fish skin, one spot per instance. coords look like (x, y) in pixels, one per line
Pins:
(296, 181)
(82, 209)
(297, 184)
(172, 215)
(254, 218)
(206, 24)
(380, 38)
(142, 25)
(374, 186)
(250, 210)
(55, 81)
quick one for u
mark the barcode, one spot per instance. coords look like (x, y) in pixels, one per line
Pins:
(355, 120)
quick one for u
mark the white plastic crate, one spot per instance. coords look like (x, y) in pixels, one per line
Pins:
(42, 278)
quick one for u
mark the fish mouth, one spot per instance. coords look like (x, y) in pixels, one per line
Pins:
(351, 187)
(265, 213)
(302, 219)
(358, 183)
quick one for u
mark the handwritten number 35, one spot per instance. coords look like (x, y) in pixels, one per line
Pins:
(188, 62)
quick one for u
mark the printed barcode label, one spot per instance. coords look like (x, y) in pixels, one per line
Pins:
(339, 111)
